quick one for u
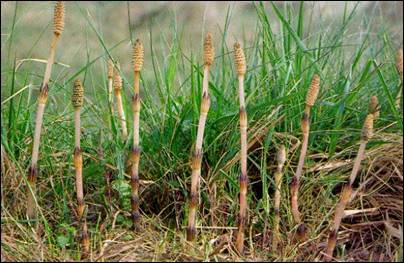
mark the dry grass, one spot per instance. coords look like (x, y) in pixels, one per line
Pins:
(368, 232)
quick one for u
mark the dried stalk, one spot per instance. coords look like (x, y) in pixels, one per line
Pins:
(367, 132)
(281, 158)
(197, 155)
(118, 95)
(59, 13)
(311, 98)
(138, 57)
(240, 63)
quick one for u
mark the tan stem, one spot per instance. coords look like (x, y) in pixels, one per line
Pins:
(42, 98)
(78, 165)
(197, 159)
(33, 171)
(243, 180)
(339, 212)
(111, 104)
(358, 160)
(51, 59)
(121, 114)
(295, 184)
(345, 197)
(85, 241)
(205, 83)
(135, 156)
(277, 201)
(195, 177)
(77, 125)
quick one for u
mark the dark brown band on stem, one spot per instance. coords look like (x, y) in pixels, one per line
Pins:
(33, 174)
(191, 233)
(301, 232)
(243, 180)
(134, 202)
(193, 200)
(305, 122)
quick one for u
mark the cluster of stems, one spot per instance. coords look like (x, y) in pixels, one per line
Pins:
(196, 159)
(367, 132)
(281, 158)
(311, 98)
(138, 57)
(59, 14)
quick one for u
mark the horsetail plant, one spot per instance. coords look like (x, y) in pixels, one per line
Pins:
(58, 25)
(77, 101)
(196, 159)
(399, 66)
(121, 114)
(281, 158)
(110, 83)
(311, 98)
(138, 57)
(366, 134)
(240, 64)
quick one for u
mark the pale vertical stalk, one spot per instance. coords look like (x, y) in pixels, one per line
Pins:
(240, 64)
(110, 85)
(281, 158)
(196, 159)
(42, 98)
(121, 112)
(196, 168)
(138, 58)
(367, 133)
(311, 98)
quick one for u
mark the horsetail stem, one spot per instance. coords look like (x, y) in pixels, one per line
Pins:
(77, 101)
(240, 64)
(399, 66)
(366, 134)
(281, 158)
(85, 240)
(121, 114)
(42, 98)
(311, 98)
(110, 81)
(196, 168)
(196, 159)
(138, 58)
(374, 107)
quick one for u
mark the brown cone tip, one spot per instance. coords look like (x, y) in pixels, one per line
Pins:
(239, 59)
(138, 55)
(110, 69)
(367, 130)
(399, 62)
(78, 93)
(312, 93)
(209, 50)
(59, 17)
(117, 81)
(373, 105)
